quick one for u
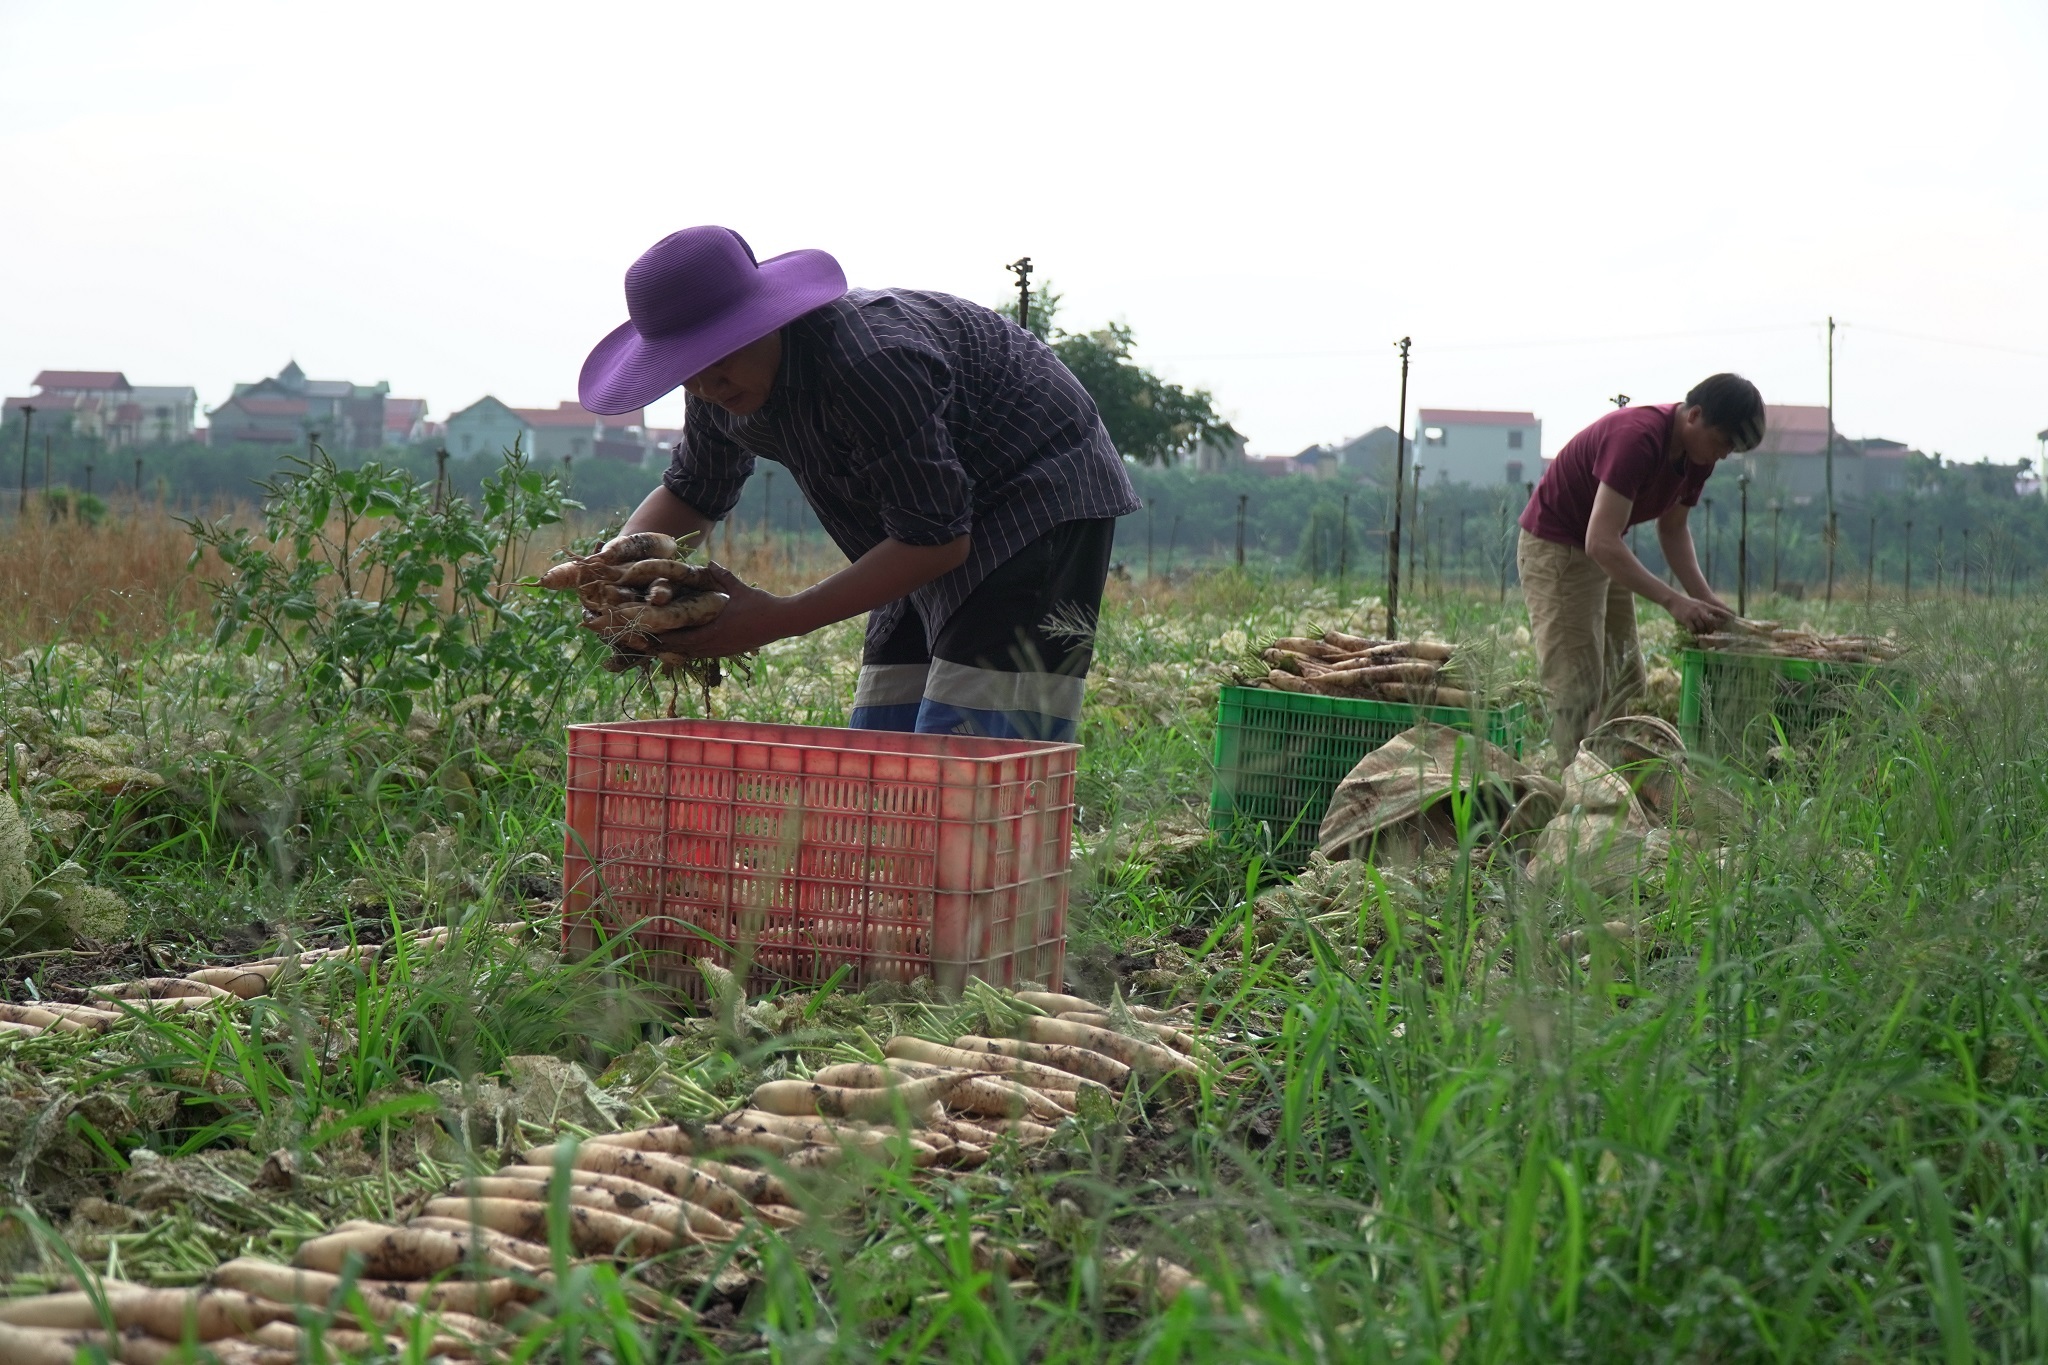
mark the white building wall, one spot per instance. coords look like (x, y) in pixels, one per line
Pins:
(487, 428)
(1479, 454)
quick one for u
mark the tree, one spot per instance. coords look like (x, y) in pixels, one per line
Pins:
(1150, 420)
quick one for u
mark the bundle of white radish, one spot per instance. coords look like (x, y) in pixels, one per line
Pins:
(203, 989)
(636, 589)
(1340, 665)
(1782, 642)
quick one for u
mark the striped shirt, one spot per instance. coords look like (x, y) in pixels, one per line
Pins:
(909, 415)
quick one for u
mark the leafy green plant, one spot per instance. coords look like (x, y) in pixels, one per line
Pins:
(376, 592)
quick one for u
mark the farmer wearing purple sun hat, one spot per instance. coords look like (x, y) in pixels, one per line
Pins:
(958, 464)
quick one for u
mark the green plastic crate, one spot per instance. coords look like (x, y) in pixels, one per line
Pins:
(1280, 755)
(1738, 706)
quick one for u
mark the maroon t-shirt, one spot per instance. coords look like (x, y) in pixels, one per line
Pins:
(1628, 450)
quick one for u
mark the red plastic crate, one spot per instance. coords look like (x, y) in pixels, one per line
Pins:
(798, 849)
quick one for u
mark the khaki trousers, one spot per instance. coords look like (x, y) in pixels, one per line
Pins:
(1584, 627)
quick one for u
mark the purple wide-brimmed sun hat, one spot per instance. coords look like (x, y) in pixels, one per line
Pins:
(694, 298)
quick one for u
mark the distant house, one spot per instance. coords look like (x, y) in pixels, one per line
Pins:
(569, 430)
(1370, 457)
(1479, 447)
(1215, 454)
(289, 407)
(1792, 460)
(485, 428)
(405, 421)
(103, 405)
(565, 431)
(1884, 463)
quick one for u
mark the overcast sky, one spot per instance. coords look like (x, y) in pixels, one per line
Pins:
(1557, 202)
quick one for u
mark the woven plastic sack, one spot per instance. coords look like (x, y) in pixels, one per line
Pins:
(1394, 803)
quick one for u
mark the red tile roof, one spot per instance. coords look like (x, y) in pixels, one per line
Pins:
(81, 379)
(569, 414)
(55, 402)
(1473, 417)
(1794, 429)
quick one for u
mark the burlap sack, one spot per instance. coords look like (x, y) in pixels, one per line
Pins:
(1394, 803)
(1620, 794)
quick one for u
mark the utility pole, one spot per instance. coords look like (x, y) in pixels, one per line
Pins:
(1400, 480)
(1343, 543)
(1708, 505)
(1503, 549)
(1832, 525)
(138, 479)
(1776, 507)
(1415, 513)
(441, 478)
(1742, 551)
(1021, 268)
(28, 419)
(1242, 499)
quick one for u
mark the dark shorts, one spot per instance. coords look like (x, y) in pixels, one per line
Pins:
(1010, 662)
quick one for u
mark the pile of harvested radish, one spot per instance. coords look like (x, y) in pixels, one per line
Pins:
(635, 589)
(472, 1268)
(99, 1006)
(1340, 665)
(1781, 642)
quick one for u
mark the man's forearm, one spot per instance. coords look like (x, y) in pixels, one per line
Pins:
(1620, 563)
(1685, 564)
(889, 571)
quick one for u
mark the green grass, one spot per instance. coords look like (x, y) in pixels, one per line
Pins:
(1801, 1121)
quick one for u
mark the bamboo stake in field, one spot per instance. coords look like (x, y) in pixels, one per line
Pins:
(1400, 481)
(1742, 551)
(28, 420)
(1833, 527)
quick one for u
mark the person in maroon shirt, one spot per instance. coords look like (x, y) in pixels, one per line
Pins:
(1578, 574)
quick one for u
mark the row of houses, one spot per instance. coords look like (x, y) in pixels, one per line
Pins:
(103, 405)
(567, 431)
(290, 408)
(1482, 448)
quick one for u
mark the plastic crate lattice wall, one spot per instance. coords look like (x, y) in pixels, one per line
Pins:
(803, 849)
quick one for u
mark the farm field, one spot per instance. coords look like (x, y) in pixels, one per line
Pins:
(1793, 1116)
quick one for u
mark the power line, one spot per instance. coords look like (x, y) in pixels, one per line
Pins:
(1527, 344)
(1945, 341)
(1552, 342)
